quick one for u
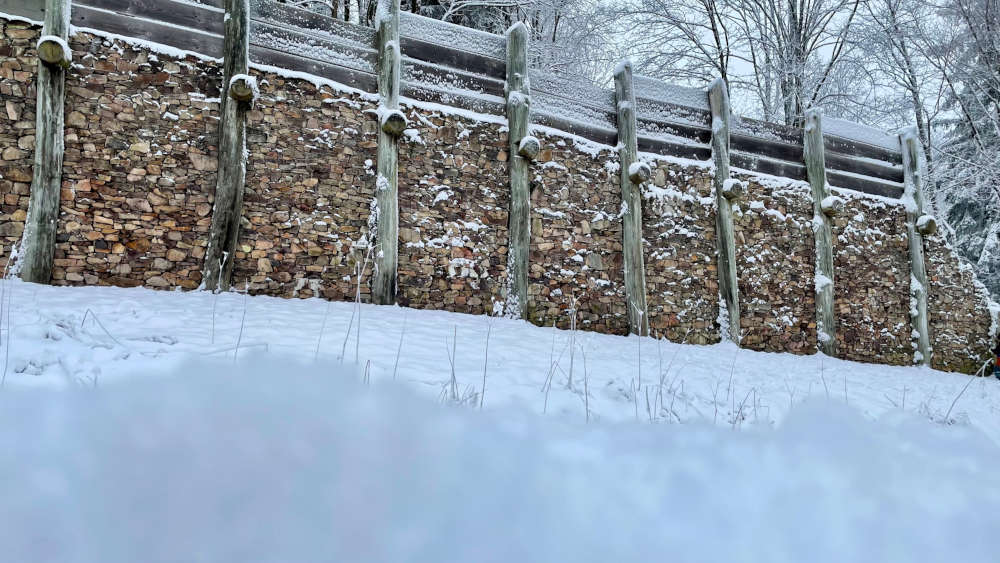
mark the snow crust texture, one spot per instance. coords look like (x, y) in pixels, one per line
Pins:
(269, 461)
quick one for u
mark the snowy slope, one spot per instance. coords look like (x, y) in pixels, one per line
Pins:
(127, 435)
(76, 336)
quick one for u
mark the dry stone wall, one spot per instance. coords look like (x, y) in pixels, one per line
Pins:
(872, 285)
(576, 237)
(957, 309)
(453, 200)
(140, 171)
(309, 187)
(17, 129)
(139, 167)
(776, 265)
(682, 286)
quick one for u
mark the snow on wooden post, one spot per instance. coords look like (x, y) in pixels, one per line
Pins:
(726, 190)
(38, 242)
(238, 92)
(632, 174)
(391, 125)
(522, 148)
(917, 225)
(823, 206)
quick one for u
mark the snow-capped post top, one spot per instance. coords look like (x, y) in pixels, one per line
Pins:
(243, 88)
(54, 50)
(517, 51)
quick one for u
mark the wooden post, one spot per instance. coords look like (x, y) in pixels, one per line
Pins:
(632, 174)
(39, 240)
(518, 92)
(823, 205)
(238, 91)
(917, 225)
(726, 189)
(391, 125)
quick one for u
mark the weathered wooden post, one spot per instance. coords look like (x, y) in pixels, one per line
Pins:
(918, 224)
(523, 147)
(39, 239)
(824, 205)
(726, 190)
(392, 122)
(632, 174)
(238, 92)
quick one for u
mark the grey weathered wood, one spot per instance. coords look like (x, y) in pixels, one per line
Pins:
(31, 9)
(718, 99)
(913, 201)
(342, 53)
(826, 327)
(518, 95)
(38, 242)
(181, 13)
(425, 50)
(223, 235)
(130, 26)
(635, 269)
(308, 22)
(387, 180)
(358, 79)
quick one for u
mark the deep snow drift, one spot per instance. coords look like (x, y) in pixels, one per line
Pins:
(269, 461)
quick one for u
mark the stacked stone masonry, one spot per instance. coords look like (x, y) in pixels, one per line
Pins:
(140, 171)
(17, 129)
(957, 309)
(453, 200)
(576, 238)
(309, 187)
(682, 286)
(776, 264)
(139, 167)
(872, 285)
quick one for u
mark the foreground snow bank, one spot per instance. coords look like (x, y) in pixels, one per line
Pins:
(265, 461)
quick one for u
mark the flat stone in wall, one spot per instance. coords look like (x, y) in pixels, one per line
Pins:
(576, 237)
(310, 185)
(139, 169)
(17, 129)
(682, 280)
(872, 281)
(957, 309)
(776, 265)
(453, 201)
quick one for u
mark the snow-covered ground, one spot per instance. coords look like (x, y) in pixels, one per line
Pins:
(129, 432)
(97, 336)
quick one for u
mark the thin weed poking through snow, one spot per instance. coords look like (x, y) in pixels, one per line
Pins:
(453, 382)
(322, 329)
(243, 320)
(572, 340)
(399, 349)
(486, 361)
